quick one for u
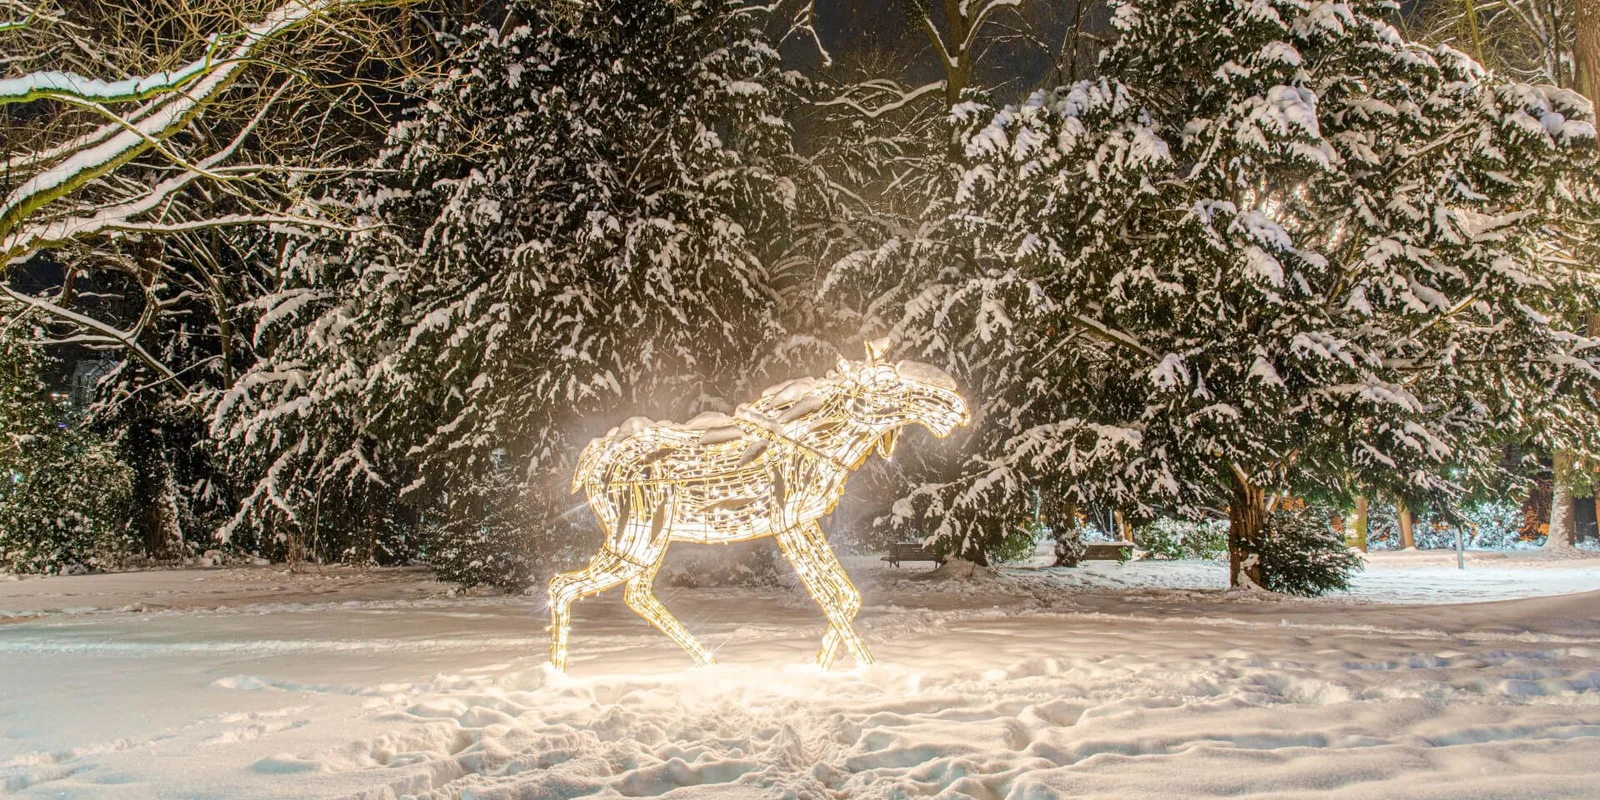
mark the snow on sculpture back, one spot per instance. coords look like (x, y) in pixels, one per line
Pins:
(773, 468)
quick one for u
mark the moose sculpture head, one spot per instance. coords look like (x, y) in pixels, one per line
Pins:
(891, 397)
(772, 469)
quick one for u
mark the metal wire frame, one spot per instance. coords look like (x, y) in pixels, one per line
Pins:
(774, 468)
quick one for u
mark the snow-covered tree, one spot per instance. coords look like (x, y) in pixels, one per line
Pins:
(573, 228)
(162, 119)
(1301, 553)
(892, 154)
(1556, 43)
(148, 149)
(1274, 247)
(886, 147)
(63, 491)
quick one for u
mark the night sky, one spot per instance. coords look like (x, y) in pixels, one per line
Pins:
(863, 34)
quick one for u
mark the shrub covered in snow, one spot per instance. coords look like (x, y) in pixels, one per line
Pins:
(1489, 525)
(753, 563)
(63, 491)
(1168, 538)
(1016, 542)
(1495, 525)
(1302, 554)
(1383, 527)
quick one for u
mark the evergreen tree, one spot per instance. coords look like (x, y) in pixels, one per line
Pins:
(573, 228)
(63, 492)
(1274, 247)
(893, 156)
(1300, 553)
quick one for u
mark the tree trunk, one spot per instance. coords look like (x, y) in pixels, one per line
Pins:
(977, 556)
(1124, 532)
(1586, 67)
(958, 70)
(1536, 510)
(1563, 529)
(1586, 47)
(1474, 33)
(1403, 518)
(156, 522)
(1247, 519)
(1361, 523)
(1586, 63)
(154, 512)
(1068, 550)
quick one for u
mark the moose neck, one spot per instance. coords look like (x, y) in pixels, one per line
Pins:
(848, 442)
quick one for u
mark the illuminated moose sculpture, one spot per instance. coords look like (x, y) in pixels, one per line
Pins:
(773, 469)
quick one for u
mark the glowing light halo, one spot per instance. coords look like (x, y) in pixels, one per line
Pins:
(774, 468)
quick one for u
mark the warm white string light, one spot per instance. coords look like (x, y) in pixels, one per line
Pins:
(772, 469)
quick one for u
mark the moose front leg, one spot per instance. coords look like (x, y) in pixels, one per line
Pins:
(642, 600)
(605, 570)
(813, 559)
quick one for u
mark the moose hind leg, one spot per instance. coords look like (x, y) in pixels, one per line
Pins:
(642, 600)
(808, 550)
(605, 570)
(845, 635)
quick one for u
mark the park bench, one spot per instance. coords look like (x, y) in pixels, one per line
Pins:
(1107, 551)
(911, 551)
(1094, 551)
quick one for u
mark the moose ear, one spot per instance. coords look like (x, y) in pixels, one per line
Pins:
(877, 349)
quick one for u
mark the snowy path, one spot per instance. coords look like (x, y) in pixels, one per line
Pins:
(254, 684)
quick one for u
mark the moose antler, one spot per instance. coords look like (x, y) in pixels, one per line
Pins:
(877, 349)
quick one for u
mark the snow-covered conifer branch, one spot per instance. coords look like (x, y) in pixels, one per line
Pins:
(1100, 330)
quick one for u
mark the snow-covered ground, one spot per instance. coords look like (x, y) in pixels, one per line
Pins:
(1130, 681)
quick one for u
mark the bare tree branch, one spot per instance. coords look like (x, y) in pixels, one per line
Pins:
(125, 339)
(203, 81)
